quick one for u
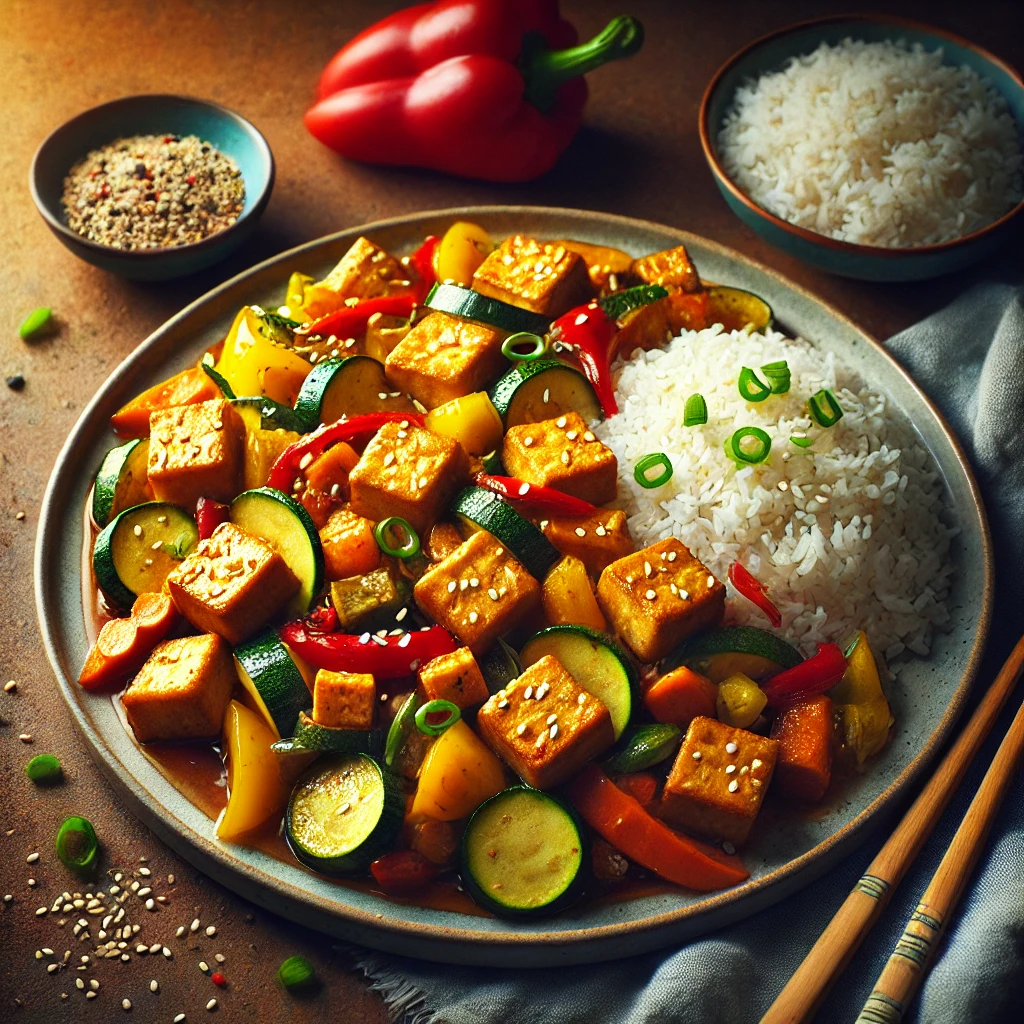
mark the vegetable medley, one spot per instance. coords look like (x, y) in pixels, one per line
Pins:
(369, 546)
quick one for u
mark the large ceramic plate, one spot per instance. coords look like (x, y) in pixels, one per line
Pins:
(926, 702)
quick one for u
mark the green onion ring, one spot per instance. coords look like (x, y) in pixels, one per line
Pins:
(508, 347)
(433, 707)
(77, 845)
(737, 454)
(411, 547)
(752, 389)
(44, 769)
(648, 462)
(802, 442)
(695, 412)
(778, 376)
(824, 407)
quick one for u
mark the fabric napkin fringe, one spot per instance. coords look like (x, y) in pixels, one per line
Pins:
(404, 1001)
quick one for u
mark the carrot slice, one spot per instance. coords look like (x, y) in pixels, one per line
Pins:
(804, 732)
(185, 388)
(154, 613)
(680, 696)
(619, 819)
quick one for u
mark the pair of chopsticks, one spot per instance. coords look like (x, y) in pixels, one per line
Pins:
(905, 970)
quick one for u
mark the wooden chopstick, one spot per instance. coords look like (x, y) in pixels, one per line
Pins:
(906, 967)
(828, 957)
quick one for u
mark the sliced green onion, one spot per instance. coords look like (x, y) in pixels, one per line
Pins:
(695, 412)
(395, 526)
(778, 376)
(77, 844)
(734, 445)
(802, 442)
(434, 707)
(36, 322)
(510, 350)
(824, 408)
(400, 726)
(778, 364)
(295, 971)
(44, 768)
(751, 388)
(656, 460)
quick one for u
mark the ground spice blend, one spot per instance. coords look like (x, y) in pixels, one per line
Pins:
(153, 192)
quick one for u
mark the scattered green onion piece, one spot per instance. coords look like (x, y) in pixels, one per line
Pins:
(409, 549)
(510, 351)
(36, 322)
(802, 442)
(824, 408)
(77, 845)
(778, 364)
(778, 376)
(400, 726)
(43, 769)
(751, 388)
(695, 412)
(641, 473)
(295, 972)
(433, 707)
(734, 449)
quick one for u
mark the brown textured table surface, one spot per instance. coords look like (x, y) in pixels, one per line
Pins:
(638, 155)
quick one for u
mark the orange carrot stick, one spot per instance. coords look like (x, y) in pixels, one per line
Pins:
(680, 696)
(185, 388)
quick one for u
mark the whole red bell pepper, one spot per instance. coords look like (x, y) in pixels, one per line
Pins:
(487, 89)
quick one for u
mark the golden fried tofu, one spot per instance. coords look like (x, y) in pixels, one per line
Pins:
(455, 677)
(196, 451)
(444, 357)
(805, 732)
(718, 780)
(609, 268)
(182, 691)
(657, 597)
(547, 278)
(596, 540)
(344, 700)
(232, 584)
(544, 725)
(562, 453)
(350, 547)
(671, 268)
(364, 272)
(478, 593)
(409, 472)
(262, 447)
(443, 539)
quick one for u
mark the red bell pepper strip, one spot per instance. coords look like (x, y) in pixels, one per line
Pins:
(390, 657)
(349, 321)
(590, 332)
(290, 463)
(534, 498)
(810, 677)
(422, 261)
(403, 872)
(464, 107)
(750, 587)
(209, 515)
(323, 619)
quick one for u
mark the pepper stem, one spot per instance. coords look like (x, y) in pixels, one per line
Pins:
(545, 70)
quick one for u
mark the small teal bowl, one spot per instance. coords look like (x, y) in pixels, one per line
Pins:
(866, 262)
(153, 115)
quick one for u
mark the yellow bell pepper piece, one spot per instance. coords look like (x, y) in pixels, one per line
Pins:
(458, 774)
(864, 714)
(740, 701)
(471, 420)
(462, 249)
(568, 596)
(254, 365)
(295, 297)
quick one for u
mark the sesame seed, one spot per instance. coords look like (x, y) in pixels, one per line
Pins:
(553, 731)
(650, 595)
(211, 931)
(179, 1018)
(41, 911)
(126, 1004)
(672, 555)
(474, 582)
(696, 755)
(25, 737)
(503, 703)
(542, 691)
(151, 904)
(588, 436)
(179, 931)
(404, 642)
(684, 595)
(219, 957)
(194, 926)
(783, 486)
(492, 594)
(79, 983)
(154, 986)
(10, 686)
(137, 530)
(520, 728)
(581, 699)
(166, 952)
(423, 482)
(600, 531)
(32, 858)
(144, 891)
(401, 614)
(565, 457)
(756, 763)
(551, 719)
(211, 1005)
(155, 948)
(499, 552)
(711, 581)
(755, 782)
(203, 965)
(527, 441)
(463, 584)
(161, 519)
(547, 395)
(31, 883)
(451, 587)
(473, 616)
(729, 769)
(647, 568)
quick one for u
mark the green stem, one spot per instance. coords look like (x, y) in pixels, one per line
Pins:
(545, 70)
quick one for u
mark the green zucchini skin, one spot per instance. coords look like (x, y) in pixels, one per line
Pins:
(520, 393)
(643, 747)
(401, 725)
(322, 739)
(480, 833)
(264, 413)
(273, 680)
(731, 640)
(117, 479)
(619, 304)
(339, 386)
(471, 305)
(217, 377)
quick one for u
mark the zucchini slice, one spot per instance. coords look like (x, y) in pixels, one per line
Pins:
(618, 304)
(725, 652)
(736, 309)
(523, 854)
(272, 681)
(347, 387)
(598, 665)
(135, 552)
(644, 747)
(322, 739)
(285, 524)
(343, 814)
(471, 305)
(122, 480)
(259, 412)
(483, 509)
(531, 392)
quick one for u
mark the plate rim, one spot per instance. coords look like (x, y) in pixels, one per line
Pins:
(469, 946)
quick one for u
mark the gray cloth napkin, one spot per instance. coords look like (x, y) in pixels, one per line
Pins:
(970, 359)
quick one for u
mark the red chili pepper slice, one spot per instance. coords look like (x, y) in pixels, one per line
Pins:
(349, 321)
(809, 678)
(534, 497)
(403, 872)
(590, 331)
(422, 261)
(391, 657)
(209, 515)
(750, 587)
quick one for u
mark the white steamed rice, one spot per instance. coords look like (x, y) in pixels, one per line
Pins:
(877, 144)
(848, 534)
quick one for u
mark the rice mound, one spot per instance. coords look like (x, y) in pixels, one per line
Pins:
(847, 534)
(877, 144)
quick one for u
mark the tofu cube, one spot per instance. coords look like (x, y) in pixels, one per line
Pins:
(544, 725)
(478, 593)
(444, 357)
(805, 734)
(407, 472)
(232, 584)
(562, 453)
(547, 278)
(344, 700)
(596, 540)
(718, 780)
(671, 268)
(364, 272)
(196, 451)
(657, 597)
(455, 677)
(182, 691)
